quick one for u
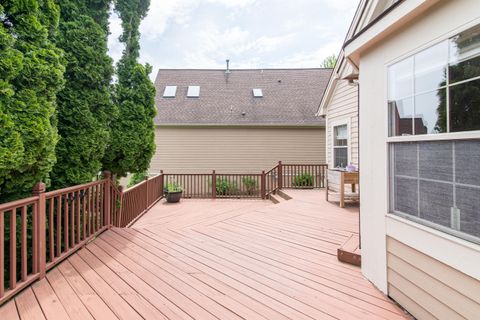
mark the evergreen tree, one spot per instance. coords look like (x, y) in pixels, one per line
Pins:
(84, 104)
(32, 74)
(132, 145)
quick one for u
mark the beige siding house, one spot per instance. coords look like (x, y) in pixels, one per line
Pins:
(419, 116)
(238, 120)
(339, 107)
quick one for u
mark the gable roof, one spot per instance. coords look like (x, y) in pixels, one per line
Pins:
(290, 97)
(368, 12)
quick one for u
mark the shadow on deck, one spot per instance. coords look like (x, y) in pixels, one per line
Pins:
(214, 259)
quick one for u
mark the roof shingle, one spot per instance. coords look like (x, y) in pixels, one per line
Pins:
(290, 97)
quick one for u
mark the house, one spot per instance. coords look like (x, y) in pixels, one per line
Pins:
(238, 120)
(418, 65)
(339, 108)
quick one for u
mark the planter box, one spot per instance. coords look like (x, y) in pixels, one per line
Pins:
(173, 197)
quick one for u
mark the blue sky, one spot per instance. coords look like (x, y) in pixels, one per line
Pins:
(251, 33)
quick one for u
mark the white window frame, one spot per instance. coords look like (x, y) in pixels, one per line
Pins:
(465, 239)
(338, 123)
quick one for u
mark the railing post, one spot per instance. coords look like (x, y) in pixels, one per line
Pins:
(120, 211)
(162, 182)
(280, 175)
(107, 195)
(39, 190)
(262, 185)
(146, 196)
(214, 184)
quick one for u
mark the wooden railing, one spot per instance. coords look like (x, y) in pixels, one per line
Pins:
(39, 232)
(261, 185)
(135, 201)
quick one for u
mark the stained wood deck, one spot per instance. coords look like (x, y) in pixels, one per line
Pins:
(206, 259)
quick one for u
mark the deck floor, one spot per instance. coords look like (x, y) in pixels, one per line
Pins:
(206, 259)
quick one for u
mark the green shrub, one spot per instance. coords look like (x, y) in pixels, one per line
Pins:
(303, 180)
(250, 184)
(173, 187)
(136, 178)
(224, 186)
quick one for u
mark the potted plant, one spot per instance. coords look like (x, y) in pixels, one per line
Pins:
(303, 181)
(173, 192)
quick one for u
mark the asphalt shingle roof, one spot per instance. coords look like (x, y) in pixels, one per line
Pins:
(290, 97)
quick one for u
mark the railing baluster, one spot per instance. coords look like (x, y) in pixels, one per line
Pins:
(23, 244)
(51, 230)
(13, 248)
(2, 254)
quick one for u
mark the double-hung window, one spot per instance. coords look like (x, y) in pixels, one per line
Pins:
(436, 93)
(340, 146)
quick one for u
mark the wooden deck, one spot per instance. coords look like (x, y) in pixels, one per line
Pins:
(214, 259)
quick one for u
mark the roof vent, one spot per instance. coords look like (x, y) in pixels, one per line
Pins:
(228, 66)
(257, 93)
(170, 92)
(193, 92)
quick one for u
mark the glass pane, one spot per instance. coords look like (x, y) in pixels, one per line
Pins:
(468, 202)
(465, 106)
(405, 155)
(464, 55)
(436, 160)
(340, 157)
(431, 112)
(467, 162)
(430, 67)
(406, 196)
(340, 135)
(436, 202)
(401, 113)
(400, 79)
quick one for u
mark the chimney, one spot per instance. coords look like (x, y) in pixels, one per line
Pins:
(228, 66)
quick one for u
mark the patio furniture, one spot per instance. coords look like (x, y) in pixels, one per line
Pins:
(337, 179)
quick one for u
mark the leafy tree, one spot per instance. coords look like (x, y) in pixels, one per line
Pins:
(32, 70)
(329, 62)
(84, 104)
(132, 145)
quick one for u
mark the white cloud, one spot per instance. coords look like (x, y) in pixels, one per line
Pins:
(252, 33)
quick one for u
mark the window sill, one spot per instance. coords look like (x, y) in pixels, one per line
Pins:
(437, 137)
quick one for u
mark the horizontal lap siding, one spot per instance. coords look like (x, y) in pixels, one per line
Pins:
(428, 288)
(343, 106)
(235, 149)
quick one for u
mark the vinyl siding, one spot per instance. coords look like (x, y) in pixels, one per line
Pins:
(343, 106)
(428, 288)
(232, 150)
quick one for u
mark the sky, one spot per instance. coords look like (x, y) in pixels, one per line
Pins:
(251, 33)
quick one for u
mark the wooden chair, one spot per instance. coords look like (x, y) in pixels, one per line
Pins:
(335, 186)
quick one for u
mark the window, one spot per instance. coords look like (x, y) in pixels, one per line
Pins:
(193, 91)
(340, 146)
(257, 93)
(438, 89)
(436, 182)
(170, 91)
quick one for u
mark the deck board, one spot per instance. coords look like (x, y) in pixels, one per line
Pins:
(214, 259)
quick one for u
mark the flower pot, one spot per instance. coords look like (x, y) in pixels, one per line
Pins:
(173, 197)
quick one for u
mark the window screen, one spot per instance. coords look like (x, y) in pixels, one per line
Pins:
(340, 146)
(438, 183)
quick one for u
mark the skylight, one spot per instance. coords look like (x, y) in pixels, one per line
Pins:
(257, 93)
(193, 91)
(170, 91)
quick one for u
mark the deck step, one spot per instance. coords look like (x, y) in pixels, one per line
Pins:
(283, 194)
(276, 198)
(350, 251)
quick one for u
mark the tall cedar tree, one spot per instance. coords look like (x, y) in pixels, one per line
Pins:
(84, 105)
(31, 69)
(132, 144)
